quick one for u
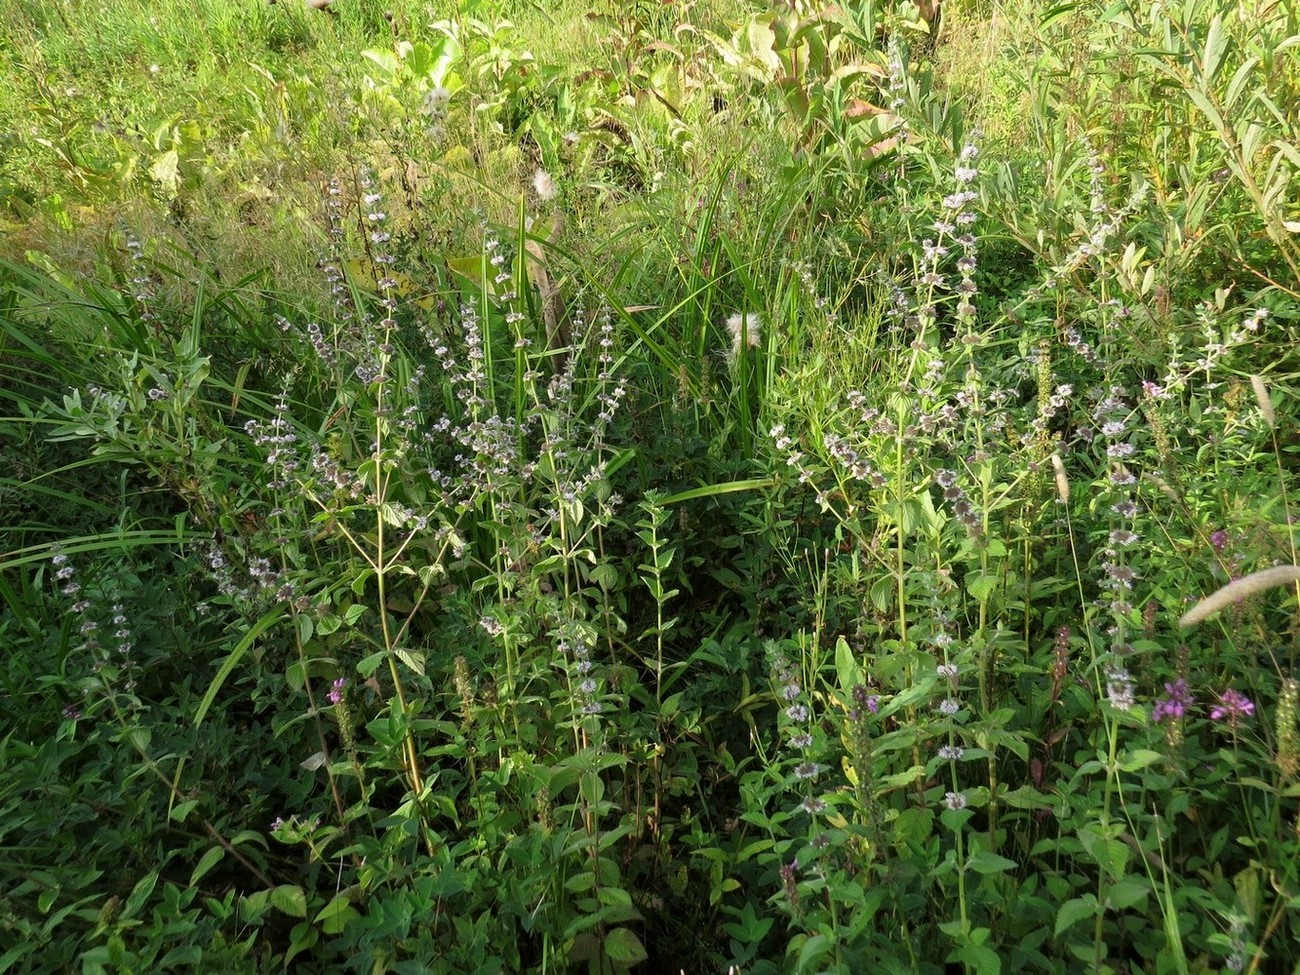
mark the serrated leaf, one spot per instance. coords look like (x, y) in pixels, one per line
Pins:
(412, 659)
(1124, 894)
(1111, 854)
(335, 915)
(983, 959)
(981, 585)
(1075, 910)
(291, 899)
(624, 947)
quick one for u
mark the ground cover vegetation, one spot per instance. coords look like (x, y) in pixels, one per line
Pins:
(705, 487)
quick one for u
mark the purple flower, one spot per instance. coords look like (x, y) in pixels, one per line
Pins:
(1175, 703)
(866, 702)
(1219, 540)
(1232, 707)
(336, 690)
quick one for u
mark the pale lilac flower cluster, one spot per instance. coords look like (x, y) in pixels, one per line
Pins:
(961, 505)
(821, 303)
(162, 390)
(852, 461)
(576, 652)
(141, 282)
(1111, 416)
(117, 655)
(256, 581)
(434, 108)
(1119, 688)
(279, 439)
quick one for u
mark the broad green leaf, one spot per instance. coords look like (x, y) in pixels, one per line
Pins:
(1075, 910)
(139, 895)
(206, 863)
(985, 862)
(290, 899)
(623, 947)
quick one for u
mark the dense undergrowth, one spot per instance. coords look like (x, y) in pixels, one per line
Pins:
(673, 487)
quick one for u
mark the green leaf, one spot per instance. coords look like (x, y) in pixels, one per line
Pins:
(1075, 910)
(411, 659)
(981, 585)
(237, 654)
(335, 915)
(604, 575)
(712, 490)
(1123, 894)
(290, 899)
(182, 809)
(846, 668)
(139, 895)
(983, 959)
(1111, 854)
(623, 947)
(985, 862)
(1137, 759)
(206, 863)
(367, 667)
(813, 949)
(1215, 45)
(302, 937)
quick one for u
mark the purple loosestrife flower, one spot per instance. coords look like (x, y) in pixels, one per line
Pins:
(336, 690)
(865, 703)
(790, 881)
(1232, 707)
(1173, 706)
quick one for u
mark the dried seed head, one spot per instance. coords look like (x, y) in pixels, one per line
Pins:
(1062, 482)
(1256, 582)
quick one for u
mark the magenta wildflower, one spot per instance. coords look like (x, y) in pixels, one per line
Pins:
(1232, 707)
(336, 690)
(1175, 703)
